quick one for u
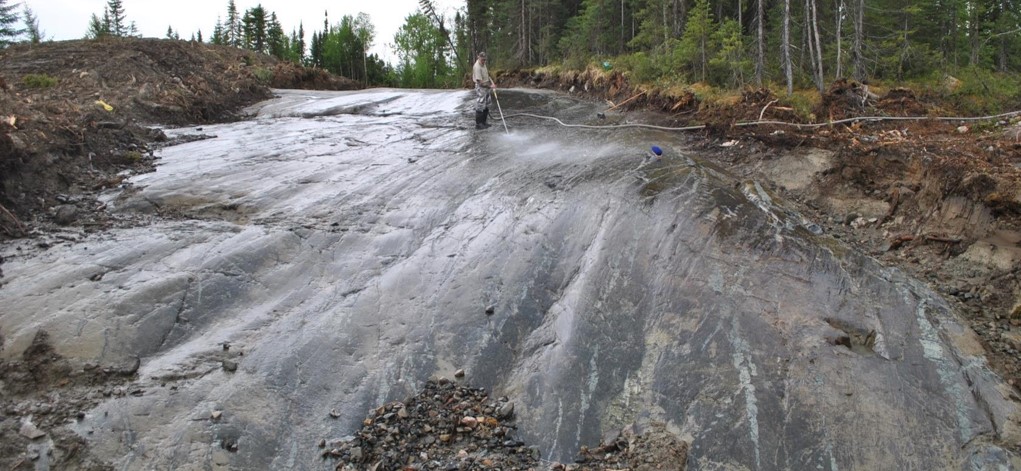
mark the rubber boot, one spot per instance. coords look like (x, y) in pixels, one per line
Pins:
(485, 118)
(479, 119)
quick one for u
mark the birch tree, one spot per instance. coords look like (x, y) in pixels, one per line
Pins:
(857, 54)
(785, 47)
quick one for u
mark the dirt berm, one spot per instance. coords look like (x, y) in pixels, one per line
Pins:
(73, 114)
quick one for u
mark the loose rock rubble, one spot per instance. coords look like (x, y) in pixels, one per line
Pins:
(451, 427)
(445, 427)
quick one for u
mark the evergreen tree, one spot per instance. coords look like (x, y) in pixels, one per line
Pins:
(694, 49)
(8, 19)
(98, 28)
(1005, 38)
(171, 34)
(275, 38)
(218, 34)
(298, 44)
(315, 50)
(254, 29)
(656, 24)
(116, 19)
(478, 23)
(594, 31)
(232, 29)
(198, 36)
(35, 35)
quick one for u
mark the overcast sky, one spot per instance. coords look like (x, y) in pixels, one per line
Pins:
(69, 19)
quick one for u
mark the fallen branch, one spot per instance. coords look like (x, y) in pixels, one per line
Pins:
(899, 241)
(21, 227)
(764, 108)
(618, 105)
(946, 240)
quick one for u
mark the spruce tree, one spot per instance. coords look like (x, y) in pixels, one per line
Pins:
(694, 48)
(8, 18)
(298, 44)
(232, 30)
(218, 33)
(117, 26)
(315, 50)
(98, 28)
(276, 39)
(35, 35)
(254, 27)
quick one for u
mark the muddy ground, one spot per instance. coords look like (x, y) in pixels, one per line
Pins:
(938, 198)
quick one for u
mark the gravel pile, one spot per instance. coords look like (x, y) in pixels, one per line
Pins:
(451, 427)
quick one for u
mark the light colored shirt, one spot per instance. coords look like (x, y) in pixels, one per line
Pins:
(480, 73)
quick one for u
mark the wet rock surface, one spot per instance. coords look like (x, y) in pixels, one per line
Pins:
(40, 393)
(339, 276)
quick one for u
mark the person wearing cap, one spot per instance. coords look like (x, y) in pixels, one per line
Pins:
(483, 89)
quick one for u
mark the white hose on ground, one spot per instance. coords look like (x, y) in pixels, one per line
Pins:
(777, 123)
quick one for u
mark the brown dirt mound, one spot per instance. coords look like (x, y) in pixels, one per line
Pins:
(294, 76)
(844, 99)
(902, 102)
(75, 113)
(613, 87)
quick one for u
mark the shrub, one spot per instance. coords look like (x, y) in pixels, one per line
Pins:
(984, 91)
(642, 67)
(38, 81)
(264, 75)
(803, 102)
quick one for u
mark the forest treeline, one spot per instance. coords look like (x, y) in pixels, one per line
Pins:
(792, 44)
(741, 42)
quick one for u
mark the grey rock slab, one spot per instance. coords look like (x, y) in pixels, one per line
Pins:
(347, 277)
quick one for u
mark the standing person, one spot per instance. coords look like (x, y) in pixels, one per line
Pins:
(483, 90)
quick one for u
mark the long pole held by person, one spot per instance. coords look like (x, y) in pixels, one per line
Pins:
(504, 121)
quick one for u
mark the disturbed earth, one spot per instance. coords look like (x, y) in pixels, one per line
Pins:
(452, 427)
(518, 295)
